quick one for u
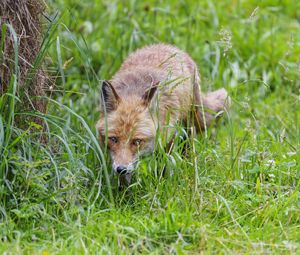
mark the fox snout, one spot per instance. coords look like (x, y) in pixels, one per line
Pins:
(121, 169)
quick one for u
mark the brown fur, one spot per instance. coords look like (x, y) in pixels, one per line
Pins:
(156, 86)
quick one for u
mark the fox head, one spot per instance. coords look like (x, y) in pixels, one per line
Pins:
(128, 126)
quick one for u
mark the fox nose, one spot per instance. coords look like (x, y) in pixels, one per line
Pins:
(121, 170)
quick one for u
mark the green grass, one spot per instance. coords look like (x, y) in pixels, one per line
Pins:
(237, 192)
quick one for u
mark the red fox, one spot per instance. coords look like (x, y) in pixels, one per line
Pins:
(156, 87)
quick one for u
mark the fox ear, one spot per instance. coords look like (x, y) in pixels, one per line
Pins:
(147, 97)
(110, 97)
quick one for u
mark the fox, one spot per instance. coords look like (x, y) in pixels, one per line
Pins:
(155, 88)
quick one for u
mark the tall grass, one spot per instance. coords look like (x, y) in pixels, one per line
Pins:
(34, 172)
(234, 191)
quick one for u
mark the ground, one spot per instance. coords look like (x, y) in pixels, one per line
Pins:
(237, 192)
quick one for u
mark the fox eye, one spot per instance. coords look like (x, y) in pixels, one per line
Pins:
(137, 142)
(113, 139)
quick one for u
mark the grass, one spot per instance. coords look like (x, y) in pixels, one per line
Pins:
(238, 190)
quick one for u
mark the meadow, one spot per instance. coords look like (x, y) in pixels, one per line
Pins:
(236, 191)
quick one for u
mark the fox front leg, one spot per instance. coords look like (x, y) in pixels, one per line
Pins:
(124, 180)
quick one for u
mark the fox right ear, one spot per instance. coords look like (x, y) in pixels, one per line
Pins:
(149, 94)
(110, 98)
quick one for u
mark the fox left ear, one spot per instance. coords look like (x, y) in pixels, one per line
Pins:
(147, 97)
(110, 96)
